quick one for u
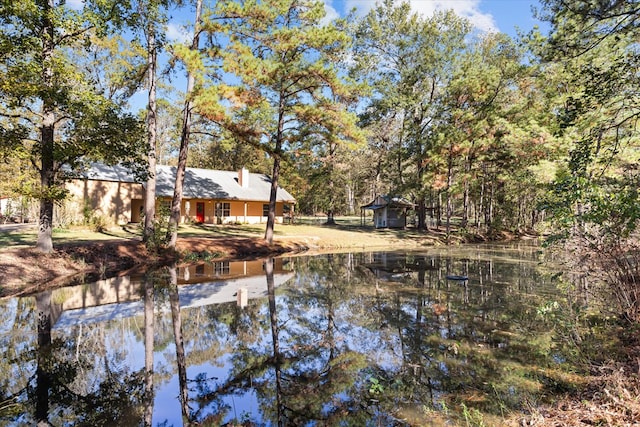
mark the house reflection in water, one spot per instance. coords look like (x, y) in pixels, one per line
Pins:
(198, 285)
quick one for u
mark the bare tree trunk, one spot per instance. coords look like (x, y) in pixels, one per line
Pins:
(480, 204)
(465, 197)
(176, 203)
(331, 210)
(421, 206)
(422, 214)
(449, 184)
(522, 205)
(439, 211)
(351, 195)
(150, 191)
(271, 219)
(44, 242)
(489, 210)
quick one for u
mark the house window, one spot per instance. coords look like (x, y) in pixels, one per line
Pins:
(223, 209)
(265, 209)
(221, 268)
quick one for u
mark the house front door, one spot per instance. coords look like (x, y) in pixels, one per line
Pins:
(200, 211)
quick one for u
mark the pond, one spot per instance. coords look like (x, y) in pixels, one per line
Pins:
(368, 338)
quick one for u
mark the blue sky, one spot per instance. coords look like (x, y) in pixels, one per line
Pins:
(486, 15)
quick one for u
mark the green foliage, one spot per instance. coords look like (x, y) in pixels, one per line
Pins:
(55, 112)
(205, 256)
(99, 223)
(548, 309)
(284, 88)
(286, 72)
(452, 115)
(472, 416)
(157, 240)
(594, 199)
(596, 46)
(375, 387)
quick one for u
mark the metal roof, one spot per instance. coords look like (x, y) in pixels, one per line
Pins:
(198, 183)
(388, 201)
(215, 184)
(102, 172)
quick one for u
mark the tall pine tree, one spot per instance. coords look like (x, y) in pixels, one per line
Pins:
(282, 59)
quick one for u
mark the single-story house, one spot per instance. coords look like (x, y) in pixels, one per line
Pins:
(388, 211)
(209, 196)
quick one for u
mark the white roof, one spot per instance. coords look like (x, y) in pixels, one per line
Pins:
(194, 295)
(198, 183)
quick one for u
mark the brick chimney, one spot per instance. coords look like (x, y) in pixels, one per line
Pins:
(243, 178)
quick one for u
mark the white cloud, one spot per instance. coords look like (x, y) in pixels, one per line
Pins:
(178, 33)
(469, 9)
(466, 8)
(332, 13)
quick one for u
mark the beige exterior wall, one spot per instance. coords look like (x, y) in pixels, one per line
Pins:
(121, 202)
(107, 291)
(123, 288)
(111, 200)
(196, 273)
(241, 212)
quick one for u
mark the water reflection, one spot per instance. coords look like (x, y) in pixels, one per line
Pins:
(360, 339)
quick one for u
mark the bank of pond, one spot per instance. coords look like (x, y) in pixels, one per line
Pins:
(470, 335)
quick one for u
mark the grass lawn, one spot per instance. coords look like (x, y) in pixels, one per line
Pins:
(346, 233)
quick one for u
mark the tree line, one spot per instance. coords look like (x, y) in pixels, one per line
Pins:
(499, 133)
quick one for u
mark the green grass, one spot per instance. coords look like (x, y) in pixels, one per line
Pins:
(17, 238)
(346, 233)
(27, 236)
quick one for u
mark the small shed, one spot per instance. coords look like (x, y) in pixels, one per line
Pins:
(388, 211)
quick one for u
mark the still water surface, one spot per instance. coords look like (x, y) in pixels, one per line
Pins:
(382, 338)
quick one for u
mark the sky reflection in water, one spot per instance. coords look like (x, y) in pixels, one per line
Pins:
(353, 339)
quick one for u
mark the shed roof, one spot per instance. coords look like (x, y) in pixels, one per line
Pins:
(388, 201)
(198, 183)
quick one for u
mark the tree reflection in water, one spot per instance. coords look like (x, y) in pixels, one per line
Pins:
(148, 350)
(181, 362)
(357, 339)
(43, 375)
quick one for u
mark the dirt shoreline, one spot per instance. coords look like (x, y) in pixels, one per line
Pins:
(25, 270)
